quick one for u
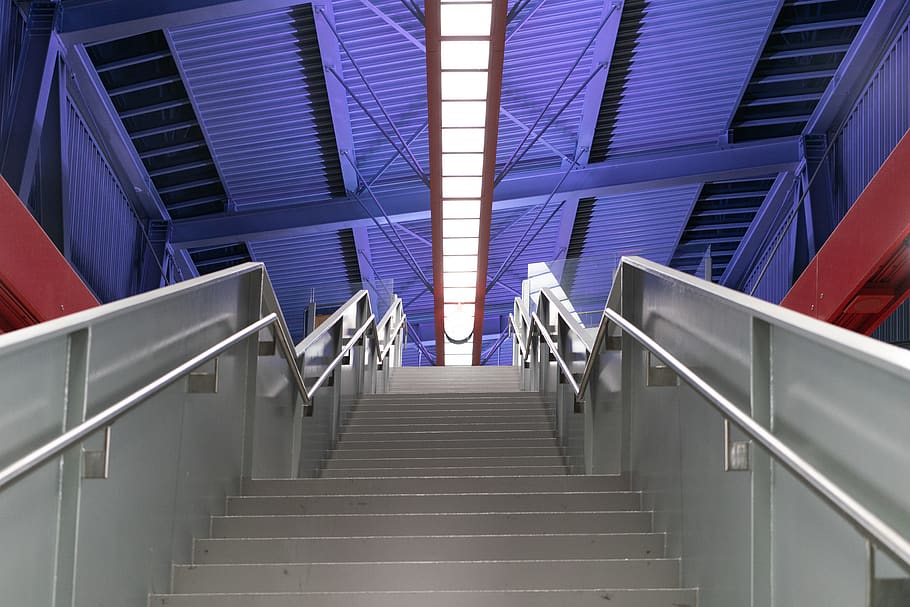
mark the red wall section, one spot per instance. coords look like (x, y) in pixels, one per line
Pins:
(36, 282)
(862, 273)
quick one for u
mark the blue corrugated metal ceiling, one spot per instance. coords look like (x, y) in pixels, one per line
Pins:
(258, 84)
(677, 72)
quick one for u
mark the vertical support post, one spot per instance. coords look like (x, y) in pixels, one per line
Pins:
(70, 492)
(629, 300)
(762, 472)
(336, 396)
(250, 369)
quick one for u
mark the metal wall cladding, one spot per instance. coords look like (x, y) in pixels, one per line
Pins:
(687, 62)
(258, 85)
(103, 235)
(540, 50)
(645, 224)
(876, 123)
(299, 266)
(392, 58)
(771, 280)
(12, 31)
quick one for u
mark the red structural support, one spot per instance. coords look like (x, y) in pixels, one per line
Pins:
(862, 273)
(36, 282)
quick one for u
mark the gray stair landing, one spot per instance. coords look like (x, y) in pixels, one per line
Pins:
(435, 498)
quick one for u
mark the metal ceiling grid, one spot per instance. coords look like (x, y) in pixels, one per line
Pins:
(388, 51)
(259, 87)
(801, 56)
(720, 219)
(647, 224)
(212, 259)
(322, 263)
(147, 92)
(677, 72)
(537, 58)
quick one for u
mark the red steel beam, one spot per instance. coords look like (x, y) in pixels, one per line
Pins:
(36, 282)
(434, 135)
(862, 273)
(494, 97)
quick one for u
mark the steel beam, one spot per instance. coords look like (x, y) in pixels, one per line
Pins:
(862, 273)
(603, 53)
(84, 23)
(621, 176)
(36, 282)
(872, 41)
(338, 101)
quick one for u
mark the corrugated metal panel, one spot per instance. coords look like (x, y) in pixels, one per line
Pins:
(775, 280)
(678, 70)
(395, 68)
(879, 119)
(259, 88)
(301, 265)
(647, 224)
(12, 31)
(537, 58)
(102, 231)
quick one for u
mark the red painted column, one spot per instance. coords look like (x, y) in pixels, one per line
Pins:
(862, 273)
(36, 282)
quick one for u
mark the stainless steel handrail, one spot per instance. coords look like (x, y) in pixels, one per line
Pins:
(367, 325)
(860, 517)
(39, 456)
(567, 373)
(388, 346)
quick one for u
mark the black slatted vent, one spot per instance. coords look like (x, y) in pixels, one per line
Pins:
(630, 28)
(809, 40)
(720, 219)
(141, 77)
(212, 259)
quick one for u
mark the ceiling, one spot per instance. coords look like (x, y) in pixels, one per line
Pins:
(296, 134)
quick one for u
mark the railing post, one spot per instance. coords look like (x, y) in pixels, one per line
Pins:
(70, 489)
(630, 309)
(762, 475)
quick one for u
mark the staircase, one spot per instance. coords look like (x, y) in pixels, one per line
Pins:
(448, 491)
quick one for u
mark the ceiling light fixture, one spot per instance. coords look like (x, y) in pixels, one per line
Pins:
(465, 40)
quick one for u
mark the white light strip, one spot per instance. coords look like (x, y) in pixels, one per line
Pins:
(464, 83)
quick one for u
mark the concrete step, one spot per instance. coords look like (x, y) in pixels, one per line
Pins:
(491, 415)
(436, 462)
(504, 484)
(444, 575)
(455, 395)
(427, 442)
(423, 504)
(341, 454)
(551, 598)
(449, 425)
(349, 525)
(426, 405)
(429, 548)
(353, 435)
(443, 471)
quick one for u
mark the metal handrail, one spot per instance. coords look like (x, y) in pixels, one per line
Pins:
(367, 325)
(39, 456)
(860, 517)
(55, 447)
(388, 346)
(865, 522)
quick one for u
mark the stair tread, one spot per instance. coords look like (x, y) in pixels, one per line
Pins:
(652, 597)
(430, 547)
(545, 574)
